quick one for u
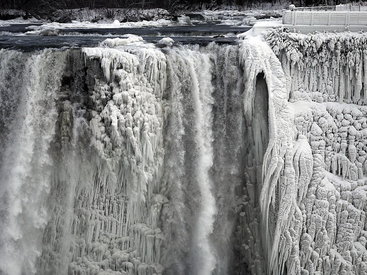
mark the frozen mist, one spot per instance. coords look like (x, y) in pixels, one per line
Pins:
(128, 158)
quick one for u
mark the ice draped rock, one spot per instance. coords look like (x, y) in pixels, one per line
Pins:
(257, 57)
(321, 228)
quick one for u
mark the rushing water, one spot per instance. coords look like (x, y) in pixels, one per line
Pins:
(12, 36)
(123, 160)
(29, 85)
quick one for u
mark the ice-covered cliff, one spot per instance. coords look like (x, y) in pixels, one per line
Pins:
(224, 159)
(324, 232)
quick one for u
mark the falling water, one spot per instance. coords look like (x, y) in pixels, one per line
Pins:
(28, 116)
(123, 160)
(203, 257)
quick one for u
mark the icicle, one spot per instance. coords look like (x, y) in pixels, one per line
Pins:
(303, 163)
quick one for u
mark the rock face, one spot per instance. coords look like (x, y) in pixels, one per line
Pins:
(327, 80)
(133, 159)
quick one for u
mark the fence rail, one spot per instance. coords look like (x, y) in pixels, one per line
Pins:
(345, 7)
(325, 18)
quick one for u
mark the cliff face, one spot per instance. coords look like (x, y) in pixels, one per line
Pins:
(327, 80)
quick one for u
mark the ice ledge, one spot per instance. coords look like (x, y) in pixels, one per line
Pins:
(260, 28)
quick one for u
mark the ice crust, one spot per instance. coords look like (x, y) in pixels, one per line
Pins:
(324, 230)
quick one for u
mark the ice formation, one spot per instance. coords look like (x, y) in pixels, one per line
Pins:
(324, 232)
(129, 158)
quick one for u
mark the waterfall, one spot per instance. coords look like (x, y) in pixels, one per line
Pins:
(192, 147)
(28, 117)
(203, 256)
(131, 159)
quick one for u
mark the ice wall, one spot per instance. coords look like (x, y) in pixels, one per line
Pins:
(323, 231)
(270, 178)
(110, 132)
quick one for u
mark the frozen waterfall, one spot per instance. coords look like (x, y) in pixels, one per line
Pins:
(131, 159)
(110, 161)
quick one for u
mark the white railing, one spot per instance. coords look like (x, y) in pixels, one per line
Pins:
(345, 7)
(325, 18)
(316, 20)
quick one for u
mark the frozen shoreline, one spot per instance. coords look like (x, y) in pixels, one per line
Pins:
(229, 15)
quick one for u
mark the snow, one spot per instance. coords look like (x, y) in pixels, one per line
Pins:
(166, 41)
(110, 14)
(88, 25)
(233, 13)
(4, 23)
(236, 17)
(260, 28)
(122, 41)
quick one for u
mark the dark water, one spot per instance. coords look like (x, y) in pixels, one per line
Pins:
(14, 35)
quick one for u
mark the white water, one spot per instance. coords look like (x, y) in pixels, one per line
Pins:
(203, 257)
(25, 169)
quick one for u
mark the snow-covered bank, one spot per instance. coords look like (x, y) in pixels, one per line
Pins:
(20, 20)
(108, 18)
(9, 14)
(110, 14)
(92, 15)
